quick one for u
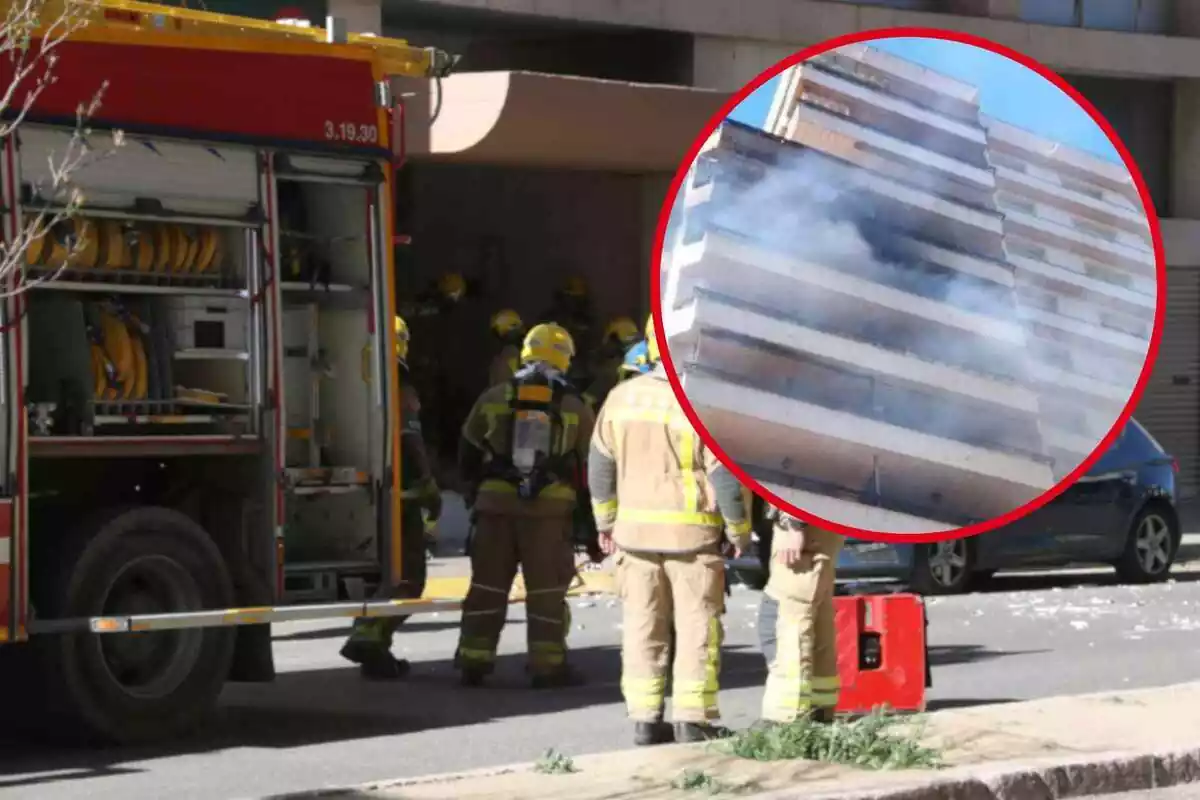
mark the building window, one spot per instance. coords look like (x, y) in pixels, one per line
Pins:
(1018, 247)
(1091, 228)
(1145, 16)
(1007, 161)
(1013, 203)
(1094, 192)
(1107, 274)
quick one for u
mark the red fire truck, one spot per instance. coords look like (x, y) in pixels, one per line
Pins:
(200, 419)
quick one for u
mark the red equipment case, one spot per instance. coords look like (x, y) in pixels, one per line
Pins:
(882, 652)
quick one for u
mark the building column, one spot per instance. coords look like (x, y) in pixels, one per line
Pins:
(1185, 150)
(653, 193)
(362, 16)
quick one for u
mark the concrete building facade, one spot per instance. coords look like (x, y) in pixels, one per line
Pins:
(1138, 61)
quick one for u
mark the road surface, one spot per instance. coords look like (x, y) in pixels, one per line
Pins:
(320, 725)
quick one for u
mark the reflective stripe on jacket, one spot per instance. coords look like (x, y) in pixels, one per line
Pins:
(664, 500)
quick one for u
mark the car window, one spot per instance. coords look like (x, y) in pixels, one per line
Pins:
(1132, 446)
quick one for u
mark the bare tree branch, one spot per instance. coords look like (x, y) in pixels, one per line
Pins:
(30, 34)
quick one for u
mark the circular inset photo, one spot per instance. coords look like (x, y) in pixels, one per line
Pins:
(911, 287)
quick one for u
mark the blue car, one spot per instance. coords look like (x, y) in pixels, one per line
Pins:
(1121, 513)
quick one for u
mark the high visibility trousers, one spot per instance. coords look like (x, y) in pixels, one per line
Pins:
(660, 592)
(540, 547)
(413, 573)
(799, 639)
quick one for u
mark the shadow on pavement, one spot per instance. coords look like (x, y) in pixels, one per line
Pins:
(949, 655)
(415, 625)
(333, 705)
(965, 702)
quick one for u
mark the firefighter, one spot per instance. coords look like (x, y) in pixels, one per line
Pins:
(370, 640)
(796, 623)
(661, 501)
(521, 450)
(509, 331)
(571, 309)
(619, 336)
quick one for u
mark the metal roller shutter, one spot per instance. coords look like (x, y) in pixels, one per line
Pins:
(1170, 408)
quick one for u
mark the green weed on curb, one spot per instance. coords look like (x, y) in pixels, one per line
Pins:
(880, 741)
(553, 762)
(700, 782)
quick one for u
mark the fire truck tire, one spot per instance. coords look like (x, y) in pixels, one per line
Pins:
(133, 688)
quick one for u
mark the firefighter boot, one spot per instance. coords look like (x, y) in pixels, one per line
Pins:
(470, 673)
(375, 662)
(562, 678)
(646, 734)
(692, 732)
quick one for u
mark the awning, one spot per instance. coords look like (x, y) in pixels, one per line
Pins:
(537, 120)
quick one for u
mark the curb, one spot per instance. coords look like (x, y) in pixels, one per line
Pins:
(1043, 779)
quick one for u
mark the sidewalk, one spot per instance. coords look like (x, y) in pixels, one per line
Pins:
(1060, 747)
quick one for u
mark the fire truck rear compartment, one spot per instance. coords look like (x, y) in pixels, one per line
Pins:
(177, 388)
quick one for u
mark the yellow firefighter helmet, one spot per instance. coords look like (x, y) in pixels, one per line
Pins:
(452, 286)
(505, 322)
(401, 331)
(574, 287)
(549, 342)
(623, 330)
(651, 341)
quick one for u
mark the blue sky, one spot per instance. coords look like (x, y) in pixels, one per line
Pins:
(1007, 91)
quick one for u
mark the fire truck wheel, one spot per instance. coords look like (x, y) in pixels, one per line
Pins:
(136, 687)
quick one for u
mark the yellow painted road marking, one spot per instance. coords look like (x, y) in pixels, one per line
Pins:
(455, 587)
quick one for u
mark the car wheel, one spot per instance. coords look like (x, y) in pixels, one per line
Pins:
(943, 567)
(1151, 546)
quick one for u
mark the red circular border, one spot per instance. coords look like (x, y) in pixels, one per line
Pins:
(962, 38)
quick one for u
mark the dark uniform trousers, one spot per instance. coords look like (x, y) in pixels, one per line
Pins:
(541, 547)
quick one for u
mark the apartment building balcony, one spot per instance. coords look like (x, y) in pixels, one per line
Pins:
(782, 354)
(1067, 449)
(902, 118)
(1068, 163)
(805, 176)
(871, 149)
(1066, 282)
(925, 87)
(844, 304)
(1049, 190)
(1139, 325)
(1141, 284)
(896, 245)
(1099, 234)
(1053, 372)
(852, 509)
(1036, 225)
(1114, 349)
(956, 482)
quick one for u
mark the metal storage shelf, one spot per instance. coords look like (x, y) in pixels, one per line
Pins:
(149, 213)
(211, 354)
(165, 289)
(143, 445)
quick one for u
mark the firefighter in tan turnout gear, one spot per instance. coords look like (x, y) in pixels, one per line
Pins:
(522, 448)
(796, 623)
(662, 503)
